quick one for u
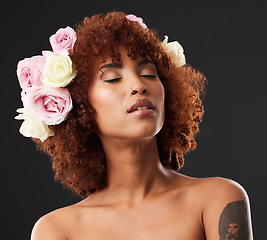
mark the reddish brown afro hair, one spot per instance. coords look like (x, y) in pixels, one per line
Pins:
(78, 158)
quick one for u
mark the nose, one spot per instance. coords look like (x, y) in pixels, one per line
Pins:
(133, 92)
(138, 86)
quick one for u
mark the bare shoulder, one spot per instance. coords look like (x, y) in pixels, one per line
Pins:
(212, 187)
(216, 192)
(219, 187)
(53, 225)
(225, 209)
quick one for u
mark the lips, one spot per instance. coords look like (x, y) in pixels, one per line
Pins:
(141, 104)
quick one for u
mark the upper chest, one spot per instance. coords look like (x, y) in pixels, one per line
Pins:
(172, 219)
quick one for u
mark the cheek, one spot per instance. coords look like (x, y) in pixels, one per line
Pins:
(100, 99)
(162, 92)
(105, 102)
(159, 93)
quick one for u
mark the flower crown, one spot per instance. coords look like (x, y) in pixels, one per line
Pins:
(43, 79)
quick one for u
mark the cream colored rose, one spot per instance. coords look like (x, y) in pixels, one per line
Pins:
(58, 70)
(33, 127)
(175, 51)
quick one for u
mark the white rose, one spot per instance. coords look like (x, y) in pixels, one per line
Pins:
(58, 69)
(33, 127)
(175, 51)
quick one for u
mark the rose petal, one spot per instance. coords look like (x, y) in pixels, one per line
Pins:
(138, 20)
(175, 51)
(64, 38)
(29, 71)
(33, 127)
(58, 70)
(42, 102)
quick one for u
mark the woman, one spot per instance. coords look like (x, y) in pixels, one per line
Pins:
(133, 113)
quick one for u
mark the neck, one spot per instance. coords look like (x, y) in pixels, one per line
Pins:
(134, 169)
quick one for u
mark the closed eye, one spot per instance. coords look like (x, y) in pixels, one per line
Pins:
(113, 80)
(118, 79)
(148, 76)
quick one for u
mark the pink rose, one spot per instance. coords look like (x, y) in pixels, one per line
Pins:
(64, 38)
(29, 71)
(139, 20)
(51, 105)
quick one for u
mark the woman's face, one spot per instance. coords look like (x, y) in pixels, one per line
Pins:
(114, 91)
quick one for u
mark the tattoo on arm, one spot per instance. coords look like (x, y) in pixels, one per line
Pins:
(233, 223)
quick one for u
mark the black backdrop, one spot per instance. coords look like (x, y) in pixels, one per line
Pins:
(226, 41)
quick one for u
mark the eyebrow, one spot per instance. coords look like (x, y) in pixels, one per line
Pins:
(111, 65)
(118, 65)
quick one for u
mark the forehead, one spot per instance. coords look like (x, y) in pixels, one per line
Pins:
(122, 55)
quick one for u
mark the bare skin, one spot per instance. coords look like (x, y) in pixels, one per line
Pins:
(143, 200)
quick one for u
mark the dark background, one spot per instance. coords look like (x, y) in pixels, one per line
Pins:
(225, 40)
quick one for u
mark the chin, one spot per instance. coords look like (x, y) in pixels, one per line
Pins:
(132, 130)
(142, 133)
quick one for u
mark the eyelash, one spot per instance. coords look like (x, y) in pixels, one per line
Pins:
(113, 80)
(118, 79)
(148, 76)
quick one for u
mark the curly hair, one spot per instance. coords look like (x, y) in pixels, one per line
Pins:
(77, 155)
